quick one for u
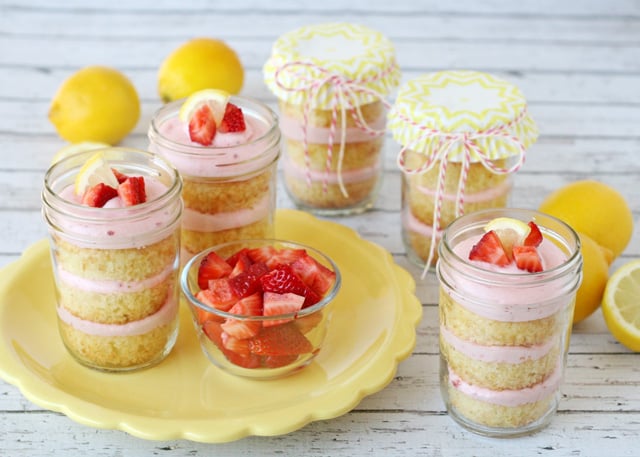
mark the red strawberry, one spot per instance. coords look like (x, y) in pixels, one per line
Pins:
(315, 275)
(275, 304)
(241, 264)
(277, 361)
(237, 345)
(534, 238)
(489, 249)
(282, 279)
(212, 266)
(527, 258)
(203, 316)
(248, 282)
(280, 340)
(214, 332)
(242, 253)
(233, 120)
(307, 323)
(98, 195)
(285, 256)
(241, 328)
(262, 254)
(219, 294)
(121, 177)
(202, 126)
(132, 191)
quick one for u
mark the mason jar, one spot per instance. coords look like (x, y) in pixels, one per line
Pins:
(116, 267)
(504, 332)
(229, 191)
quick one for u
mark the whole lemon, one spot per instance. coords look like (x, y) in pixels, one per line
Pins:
(95, 104)
(201, 63)
(595, 209)
(595, 273)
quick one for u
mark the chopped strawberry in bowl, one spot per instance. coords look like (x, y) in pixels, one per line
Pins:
(261, 308)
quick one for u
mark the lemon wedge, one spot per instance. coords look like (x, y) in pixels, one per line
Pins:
(216, 99)
(76, 148)
(95, 170)
(621, 305)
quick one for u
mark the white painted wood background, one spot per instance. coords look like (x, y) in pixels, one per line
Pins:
(578, 62)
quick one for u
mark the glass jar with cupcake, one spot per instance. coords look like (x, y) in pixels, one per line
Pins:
(463, 134)
(226, 149)
(114, 223)
(508, 281)
(331, 81)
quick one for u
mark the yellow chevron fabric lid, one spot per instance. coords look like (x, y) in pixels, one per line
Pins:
(437, 107)
(308, 64)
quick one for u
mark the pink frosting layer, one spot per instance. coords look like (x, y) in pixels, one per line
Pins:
(231, 154)
(351, 176)
(415, 225)
(107, 286)
(510, 398)
(496, 354)
(293, 129)
(201, 222)
(486, 195)
(163, 316)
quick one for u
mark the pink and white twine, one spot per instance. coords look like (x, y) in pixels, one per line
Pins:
(446, 140)
(344, 97)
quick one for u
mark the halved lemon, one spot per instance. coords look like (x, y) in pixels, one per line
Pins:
(216, 99)
(95, 170)
(76, 148)
(621, 305)
(511, 231)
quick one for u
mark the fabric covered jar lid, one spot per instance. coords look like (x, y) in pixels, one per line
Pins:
(458, 108)
(321, 64)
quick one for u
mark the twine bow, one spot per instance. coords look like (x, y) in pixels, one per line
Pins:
(446, 141)
(344, 97)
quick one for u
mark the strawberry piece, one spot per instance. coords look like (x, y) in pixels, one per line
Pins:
(241, 264)
(489, 249)
(202, 126)
(121, 177)
(242, 253)
(241, 328)
(98, 195)
(534, 238)
(527, 258)
(233, 120)
(248, 282)
(277, 361)
(233, 344)
(285, 257)
(214, 332)
(307, 323)
(280, 340)
(219, 294)
(132, 191)
(275, 304)
(203, 316)
(262, 254)
(282, 279)
(212, 266)
(315, 275)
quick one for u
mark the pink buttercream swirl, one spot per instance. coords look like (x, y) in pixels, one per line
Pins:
(441, 154)
(344, 97)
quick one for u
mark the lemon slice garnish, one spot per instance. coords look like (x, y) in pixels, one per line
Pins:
(216, 99)
(621, 305)
(76, 148)
(95, 170)
(511, 232)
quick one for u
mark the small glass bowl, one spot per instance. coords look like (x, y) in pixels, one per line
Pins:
(266, 354)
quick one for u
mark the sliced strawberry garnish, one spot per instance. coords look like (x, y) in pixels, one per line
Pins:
(121, 177)
(212, 266)
(233, 120)
(202, 126)
(248, 282)
(489, 249)
(219, 294)
(315, 275)
(534, 238)
(282, 279)
(98, 195)
(132, 191)
(527, 258)
(242, 328)
(280, 340)
(275, 304)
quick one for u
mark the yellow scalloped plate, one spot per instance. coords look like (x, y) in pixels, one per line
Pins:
(373, 329)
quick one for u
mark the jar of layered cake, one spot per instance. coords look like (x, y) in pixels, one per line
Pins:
(226, 149)
(114, 223)
(508, 281)
(463, 134)
(331, 81)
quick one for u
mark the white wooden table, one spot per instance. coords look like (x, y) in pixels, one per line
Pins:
(578, 62)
